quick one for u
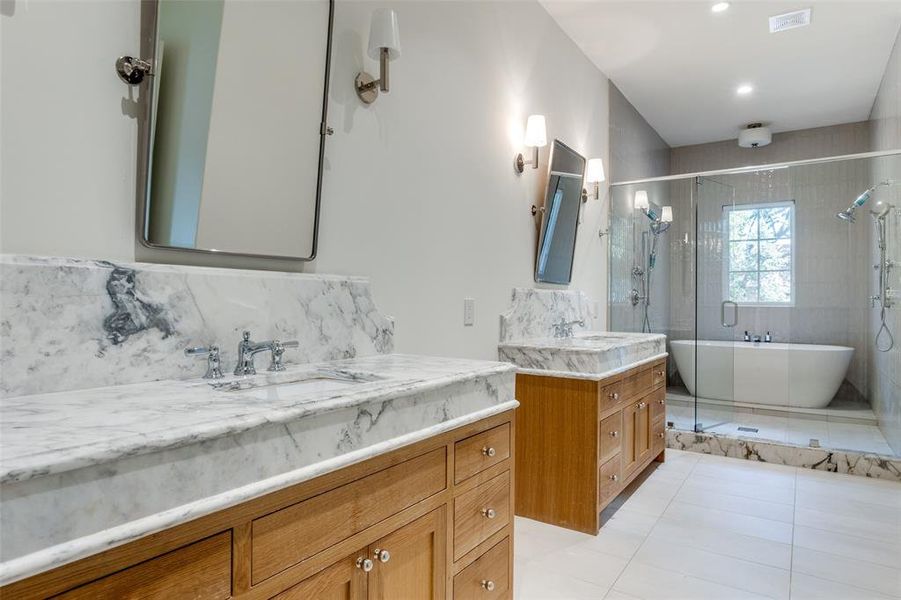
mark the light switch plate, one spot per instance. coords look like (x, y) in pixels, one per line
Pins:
(469, 311)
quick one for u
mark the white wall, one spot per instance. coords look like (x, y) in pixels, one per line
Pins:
(419, 188)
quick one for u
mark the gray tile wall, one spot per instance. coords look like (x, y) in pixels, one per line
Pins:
(885, 374)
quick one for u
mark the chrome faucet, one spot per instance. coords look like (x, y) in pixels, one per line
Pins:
(246, 351)
(564, 329)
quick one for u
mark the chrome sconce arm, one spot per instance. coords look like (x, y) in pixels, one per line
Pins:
(384, 46)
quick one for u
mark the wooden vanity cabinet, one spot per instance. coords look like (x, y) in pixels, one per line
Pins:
(580, 442)
(416, 523)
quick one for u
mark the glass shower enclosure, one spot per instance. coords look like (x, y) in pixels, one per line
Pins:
(771, 304)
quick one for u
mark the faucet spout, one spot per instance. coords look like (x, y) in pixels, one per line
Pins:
(247, 349)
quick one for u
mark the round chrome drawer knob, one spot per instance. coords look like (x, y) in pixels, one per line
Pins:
(382, 555)
(365, 564)
(613, 396)
(614, 434)
(488, 585)
(488, 513)
(660, 435)
(489, 451)
(614, 477)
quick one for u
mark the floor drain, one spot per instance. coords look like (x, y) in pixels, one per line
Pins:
(749, 429)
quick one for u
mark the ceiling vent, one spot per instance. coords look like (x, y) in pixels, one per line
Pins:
(792, 20)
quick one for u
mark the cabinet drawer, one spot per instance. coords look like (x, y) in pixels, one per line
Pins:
(658, 373)
(637, 384)
(488, 577)
(610, 478)
(481, 512)
(611, 441)
(293, 534)
(201, 570)
(657, 400)
(611, 396)
(477, 453)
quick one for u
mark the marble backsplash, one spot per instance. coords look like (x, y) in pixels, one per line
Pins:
(533, 313)
(72, 324)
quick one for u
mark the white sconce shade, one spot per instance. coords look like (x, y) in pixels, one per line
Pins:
(667, 214)
(641, 200)
(383, 33)
(536, 132)
(594, 173)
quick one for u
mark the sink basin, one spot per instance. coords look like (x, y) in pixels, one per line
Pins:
(281, 387)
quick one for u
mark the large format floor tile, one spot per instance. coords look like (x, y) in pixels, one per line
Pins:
(703, 527)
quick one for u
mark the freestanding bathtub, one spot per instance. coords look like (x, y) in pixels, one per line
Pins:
(791, 375)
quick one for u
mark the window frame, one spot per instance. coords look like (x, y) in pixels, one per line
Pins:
(727, 254)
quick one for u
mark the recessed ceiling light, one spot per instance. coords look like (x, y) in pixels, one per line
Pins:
(744, 89)
(719, 7)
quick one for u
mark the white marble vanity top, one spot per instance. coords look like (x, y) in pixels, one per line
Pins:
(584, 355)
(86, 470)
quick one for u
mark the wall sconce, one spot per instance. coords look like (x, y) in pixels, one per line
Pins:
(594, 173)
(536, 137)
(384, 45)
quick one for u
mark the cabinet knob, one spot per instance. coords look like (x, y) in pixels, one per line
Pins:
(488, 513)
(613, 396)
(660, 435)
(489, 451)
(365, 564)
(659, 373)
(661, 402)
(642, 405)
(382, 555)
(614, 477)
(614, 434)
(488, 585)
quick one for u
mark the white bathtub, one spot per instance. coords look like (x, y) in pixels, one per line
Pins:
(797, 375)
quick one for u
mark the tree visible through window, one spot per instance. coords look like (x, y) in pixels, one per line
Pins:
(759, 261)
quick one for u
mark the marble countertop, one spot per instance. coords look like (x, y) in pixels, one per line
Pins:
(87, 470)
(44, 434)
(586, 355)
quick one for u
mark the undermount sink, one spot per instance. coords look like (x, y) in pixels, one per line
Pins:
(309, 384)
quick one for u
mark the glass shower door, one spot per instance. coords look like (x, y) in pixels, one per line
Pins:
(722, 266)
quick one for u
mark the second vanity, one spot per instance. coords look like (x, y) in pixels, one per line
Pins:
(592, 408)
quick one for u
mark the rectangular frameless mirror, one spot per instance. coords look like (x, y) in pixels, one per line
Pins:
(233, 147)
(560, 215)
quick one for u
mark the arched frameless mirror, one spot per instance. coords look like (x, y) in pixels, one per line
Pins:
(233, 135)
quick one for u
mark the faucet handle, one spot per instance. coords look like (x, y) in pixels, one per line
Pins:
(278, 350)
(213, 366)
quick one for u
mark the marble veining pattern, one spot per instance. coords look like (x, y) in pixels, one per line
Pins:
(165, 457)
(586, 355)
(71, 324)
(533, 313)
(820, 459)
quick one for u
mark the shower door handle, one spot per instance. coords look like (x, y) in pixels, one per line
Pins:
(723, 313)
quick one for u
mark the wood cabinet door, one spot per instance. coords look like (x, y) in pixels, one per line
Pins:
(643, 437)
(344, 580)
(414, 567)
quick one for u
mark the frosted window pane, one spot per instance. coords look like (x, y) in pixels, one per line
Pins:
(743, 256)
(743, 287)
(743, 224)
(775, 255)
(775, 286)
(775, 222)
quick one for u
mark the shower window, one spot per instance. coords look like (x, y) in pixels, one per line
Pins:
(759, 253)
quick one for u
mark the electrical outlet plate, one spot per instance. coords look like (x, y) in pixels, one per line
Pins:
(469, 311)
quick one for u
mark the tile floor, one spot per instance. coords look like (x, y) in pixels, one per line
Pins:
(702, 526)
(839, 436)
